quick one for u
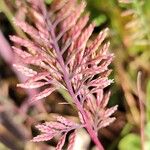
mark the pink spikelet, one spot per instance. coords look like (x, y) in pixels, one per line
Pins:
(60, 127)
(26, 71)
(59, 53)
(61, 143)
(71, 141)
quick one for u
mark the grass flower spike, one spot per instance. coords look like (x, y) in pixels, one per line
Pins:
(59, 54)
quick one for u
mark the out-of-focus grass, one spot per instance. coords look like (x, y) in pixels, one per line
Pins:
(130, 42)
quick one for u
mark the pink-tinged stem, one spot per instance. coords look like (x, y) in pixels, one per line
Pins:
(88, 126)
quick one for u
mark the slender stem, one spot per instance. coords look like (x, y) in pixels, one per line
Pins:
(142, 118)
(70, 90)
(5, 9)
(148, 102)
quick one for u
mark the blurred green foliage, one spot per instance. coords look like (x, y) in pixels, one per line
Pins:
(48, 1)
(130, 141)
(130, 41)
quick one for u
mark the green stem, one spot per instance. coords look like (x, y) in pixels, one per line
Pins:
(5, 9)
(66, 96)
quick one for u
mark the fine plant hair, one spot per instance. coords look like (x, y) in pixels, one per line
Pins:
(58, 54)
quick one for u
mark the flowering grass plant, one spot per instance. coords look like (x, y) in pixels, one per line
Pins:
(59, 53)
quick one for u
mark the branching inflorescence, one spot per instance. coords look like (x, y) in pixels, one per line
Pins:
(63, 57)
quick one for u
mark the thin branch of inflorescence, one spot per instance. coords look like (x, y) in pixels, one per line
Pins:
(70, 90)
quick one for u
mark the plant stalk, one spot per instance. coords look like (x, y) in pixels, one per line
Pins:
(142, 113)
(5, 9)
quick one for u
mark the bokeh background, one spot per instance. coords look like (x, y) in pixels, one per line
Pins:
(129, 35)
